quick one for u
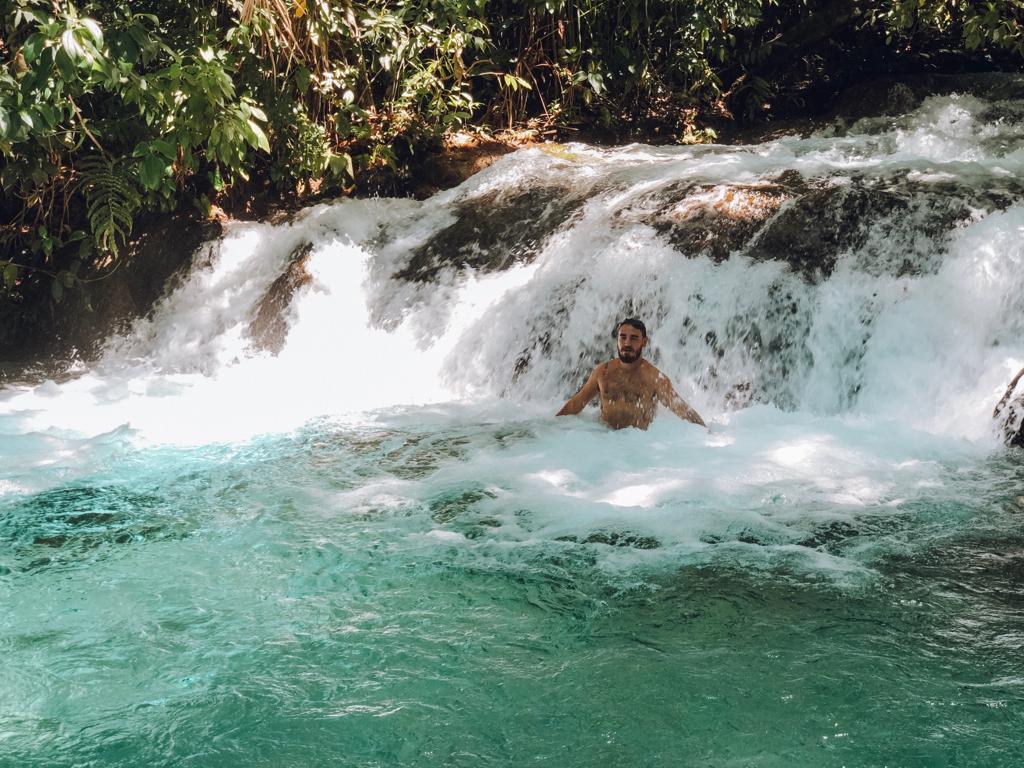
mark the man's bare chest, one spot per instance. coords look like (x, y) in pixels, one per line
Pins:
(631, 389)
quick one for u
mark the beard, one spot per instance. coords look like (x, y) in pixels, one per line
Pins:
(629, 355)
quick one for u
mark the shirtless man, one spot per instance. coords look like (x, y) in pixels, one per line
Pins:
(630, 387)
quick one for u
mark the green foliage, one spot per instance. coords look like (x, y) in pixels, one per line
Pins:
(100, 118)
(111, 198)
(995, 24)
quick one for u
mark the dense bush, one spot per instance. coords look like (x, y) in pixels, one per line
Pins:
(111, 108)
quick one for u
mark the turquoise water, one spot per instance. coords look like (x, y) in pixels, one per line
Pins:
(399, 595)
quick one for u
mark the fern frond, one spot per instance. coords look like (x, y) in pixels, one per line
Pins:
(112, 200)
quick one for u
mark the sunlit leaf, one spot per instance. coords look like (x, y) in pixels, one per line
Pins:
(71, 45)
(94, 30)
(342, 163)
(261, 137)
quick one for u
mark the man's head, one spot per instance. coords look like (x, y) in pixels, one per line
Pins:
(630, 337)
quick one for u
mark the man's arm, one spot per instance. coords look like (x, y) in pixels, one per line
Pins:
(668, 397)
(579, 401)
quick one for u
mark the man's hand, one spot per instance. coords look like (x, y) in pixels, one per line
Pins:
(668, 397)
(579, 401)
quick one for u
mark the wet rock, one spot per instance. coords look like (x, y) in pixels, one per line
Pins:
(715, 221)
(1009, 415)
(814, 229)
(269, 328)
(446, 507)
(830, 537)
(79, 520)
(495, 230)
(161, 248)
(896, 96)
(1013, 430)
(459, 159)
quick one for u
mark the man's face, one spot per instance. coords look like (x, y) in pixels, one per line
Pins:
(631, 343)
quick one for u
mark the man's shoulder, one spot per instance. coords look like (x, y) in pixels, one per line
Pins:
(652, 370)
(603, 370)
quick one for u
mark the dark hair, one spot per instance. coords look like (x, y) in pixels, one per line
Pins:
(631, 321)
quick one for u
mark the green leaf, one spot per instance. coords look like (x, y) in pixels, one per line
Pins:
(203, 204)
(206, 54)
(66, 278)
(71, 46)
(5, 123)
(94, 30)
(261, 137)
(341, 164)
(50, 115)
(32, 47)
(10, 275)
(57, 291)
(165, 148)
(140, 36)
(65, 64)
(152, 170)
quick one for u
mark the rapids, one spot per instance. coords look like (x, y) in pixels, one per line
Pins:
(378, 546)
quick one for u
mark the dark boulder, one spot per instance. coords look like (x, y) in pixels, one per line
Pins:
(269, 328)
(813, 230)
(106, 300)
(706, 219)
(897, 96)
(1009, 415)
(494, 230)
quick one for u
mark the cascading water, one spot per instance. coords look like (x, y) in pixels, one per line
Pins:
(377, 546)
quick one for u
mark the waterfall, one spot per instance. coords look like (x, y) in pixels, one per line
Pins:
(869, 270)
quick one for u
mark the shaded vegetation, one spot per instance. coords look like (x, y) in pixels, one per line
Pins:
(112, 109)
